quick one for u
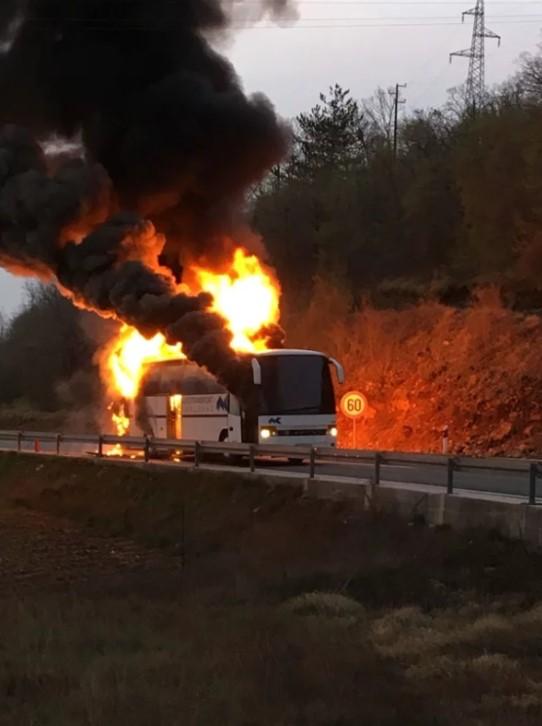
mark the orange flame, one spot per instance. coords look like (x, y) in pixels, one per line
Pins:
(126, 356)
(245, 294)
(121, 420)
(121, 423)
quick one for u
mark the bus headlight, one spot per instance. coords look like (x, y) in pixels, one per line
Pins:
(267, 432)
(332, 431)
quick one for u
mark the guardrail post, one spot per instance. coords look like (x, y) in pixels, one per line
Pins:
(183, 536)
(58, 441)
(100, 445)
(147, 449)
(533, 471)
(19, 441)
(450, 467)
(312, 463)
(378, 462)
(197, 454)
(251, 457)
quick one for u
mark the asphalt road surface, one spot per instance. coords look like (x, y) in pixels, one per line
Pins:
(485, 481)
(511, 483)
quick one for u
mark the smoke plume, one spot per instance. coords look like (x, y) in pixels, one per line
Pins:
(167, 134)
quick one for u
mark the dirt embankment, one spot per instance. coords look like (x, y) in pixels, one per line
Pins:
(476, 371)
(75, 518)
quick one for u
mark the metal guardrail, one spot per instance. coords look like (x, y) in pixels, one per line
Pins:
(313, 455)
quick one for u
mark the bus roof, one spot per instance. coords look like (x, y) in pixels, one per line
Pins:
(259, 354)
(289, 351)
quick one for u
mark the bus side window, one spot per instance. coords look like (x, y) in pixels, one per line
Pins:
(233, 406)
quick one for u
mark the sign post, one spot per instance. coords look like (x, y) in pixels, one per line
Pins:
(353, 405)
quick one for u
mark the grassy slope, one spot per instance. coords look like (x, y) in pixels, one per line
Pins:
(407, 626)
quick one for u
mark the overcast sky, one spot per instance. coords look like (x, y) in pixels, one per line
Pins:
(363, 45)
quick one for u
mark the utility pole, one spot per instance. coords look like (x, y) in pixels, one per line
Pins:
(476, 86)
(397, 100)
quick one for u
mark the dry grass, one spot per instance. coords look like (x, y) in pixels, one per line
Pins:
(330, 604)
(139, 663)
(287, 612)
(135, 661)
(487, 668)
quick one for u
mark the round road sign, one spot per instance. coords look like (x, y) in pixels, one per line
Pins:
(353, 404)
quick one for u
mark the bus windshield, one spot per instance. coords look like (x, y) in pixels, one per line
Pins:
(296, 384)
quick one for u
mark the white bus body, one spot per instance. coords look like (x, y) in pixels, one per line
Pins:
(294, 402)
(192, 417)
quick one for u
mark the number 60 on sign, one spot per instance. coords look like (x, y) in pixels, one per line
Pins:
(353, 404)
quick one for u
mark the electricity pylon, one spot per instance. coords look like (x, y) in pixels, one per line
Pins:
(475, 86)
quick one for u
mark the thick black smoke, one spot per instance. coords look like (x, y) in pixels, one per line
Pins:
(152, 101)
(167, 133)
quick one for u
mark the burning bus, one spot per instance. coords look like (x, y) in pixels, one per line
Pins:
(292, 401)
(268, 395)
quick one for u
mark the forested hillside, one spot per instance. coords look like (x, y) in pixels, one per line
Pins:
(459, 204)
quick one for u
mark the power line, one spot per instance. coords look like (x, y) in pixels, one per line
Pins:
(300, 26)
(112, 21)
(399, 3)
(369, 22)
(335, 3)
(120, 19)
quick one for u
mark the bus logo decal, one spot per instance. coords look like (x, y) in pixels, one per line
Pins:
(275, 420)
(222, 404)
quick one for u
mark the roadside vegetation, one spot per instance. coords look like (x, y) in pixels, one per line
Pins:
(261, 607)
(48, 377)
(475, 370)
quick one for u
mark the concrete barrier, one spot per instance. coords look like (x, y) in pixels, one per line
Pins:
(470, 510)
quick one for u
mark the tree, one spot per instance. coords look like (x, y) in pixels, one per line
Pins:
(299, 207)
(492, 174)
(430, 201)
(330, 137)
(529, 78)
(41, 347)
(379, 111)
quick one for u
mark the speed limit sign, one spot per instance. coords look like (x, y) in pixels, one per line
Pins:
(353, 404)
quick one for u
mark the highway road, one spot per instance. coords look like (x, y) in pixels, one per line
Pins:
(508, 483)
(499, 483)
